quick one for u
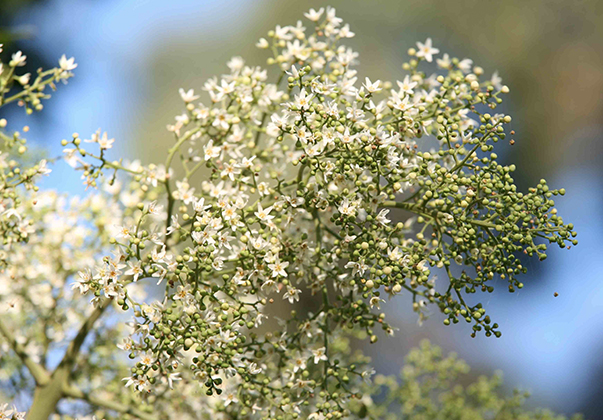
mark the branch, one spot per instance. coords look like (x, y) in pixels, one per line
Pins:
(41, 376)
(75, 345)
(106, 402)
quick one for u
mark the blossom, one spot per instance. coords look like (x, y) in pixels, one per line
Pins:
(299, 362)
(381, 217)
(18, 59)
(104, 142)
(320, 354)
(426, 50)
(292, 294)
(154, 208)
(188, 96)
(263, 214)
(394, 254)
(406, 86)
(444, 62)
(230, 398)
(465, 65)
(496, 81)
(348, 207)
(262, 43)
(135, 269)
(303, 100)
(278, 268)
(67, 64)
(372, 87)
(211, 151)
(254, 369)
(271, 191)
(314, 15)
(358, 267)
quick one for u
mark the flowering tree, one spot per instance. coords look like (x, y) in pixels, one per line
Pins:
(315, 186)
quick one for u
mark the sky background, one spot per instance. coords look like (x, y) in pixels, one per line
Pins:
(134, 55)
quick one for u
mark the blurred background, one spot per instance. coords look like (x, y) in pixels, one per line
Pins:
(134, 55)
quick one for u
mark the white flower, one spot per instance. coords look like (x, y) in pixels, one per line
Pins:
(67, 64)
(126, 344)
(401, 104)
(146, 359)
(299, 362)
(230, 170)
(278, 268)
(104, 142)
(292, 294)
(23, 80)
(320, 354)
(345, 32)
(394, 254)
(141, 384)
(154, 208)
(236, 64)
(315, 149)
(171, 377)
(135, 269)
(372, 87)
(346, 137)
(303, 100)
(262, 43)
(314, 15)
(357, 267)
(426, 50)
(188, 96)
(444, 62)
(18, 59)
(367, 374)
(348, 207)
(496, 81)
(199, 205)
(254, 369)
(282, 33)
(211, 151)
(406, 86)
(381, 217)
(230, 397)
(263, 214)
(465, 65)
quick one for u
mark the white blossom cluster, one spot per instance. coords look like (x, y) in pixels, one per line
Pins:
(273, 195)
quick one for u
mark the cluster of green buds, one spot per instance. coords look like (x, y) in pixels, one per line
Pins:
(327, 192)
(431, 386)
(24, 90)
(16, 168)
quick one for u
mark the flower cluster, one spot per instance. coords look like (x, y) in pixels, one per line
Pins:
(11, 413)
(321, 188)
(429, 387)
(16, 169)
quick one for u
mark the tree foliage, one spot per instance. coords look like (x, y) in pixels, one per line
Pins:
(313, 186)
